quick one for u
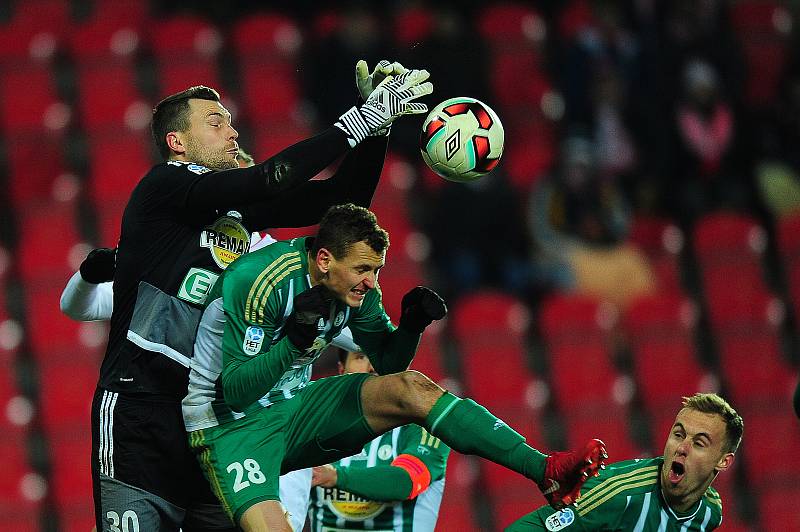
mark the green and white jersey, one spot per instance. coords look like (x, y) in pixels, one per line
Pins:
(244, 317)
(334, 509)
(626, 497)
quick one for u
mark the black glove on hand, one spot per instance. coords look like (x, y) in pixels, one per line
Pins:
(309, 307)
(99, 265)
(420, 307)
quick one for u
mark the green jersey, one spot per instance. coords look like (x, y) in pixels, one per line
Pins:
(626, 496)
(243, 321)
(334, 509)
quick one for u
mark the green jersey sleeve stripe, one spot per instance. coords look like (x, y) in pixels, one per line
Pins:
(265, 277)
(600, 489)
(635, 483)
(271, 286)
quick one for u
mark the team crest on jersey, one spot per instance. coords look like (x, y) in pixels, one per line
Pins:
(338, 319)
(349, 506)
(253, 338)
(560, 520)
(226, 238)
(195, 168)
(385, 452)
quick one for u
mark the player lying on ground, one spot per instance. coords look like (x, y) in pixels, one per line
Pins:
(395, 483)
(671, 492)
(255, 413)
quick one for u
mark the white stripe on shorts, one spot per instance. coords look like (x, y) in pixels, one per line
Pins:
(106, 452)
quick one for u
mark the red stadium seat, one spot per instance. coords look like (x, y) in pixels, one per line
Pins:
(34, 166)
(71, 479)
(456, 512)
(661, 241)
(30, 102)
(722, 236)
(770, 432)
(525, 161)
(659, 330)
(428, 359)
(490, 329)
(48, 234)
(605, 420)
(109, 222)
(34, 32)
(185, 49)
(117, 163)
(108, 97)
(276, 135)
(788, 243)
(275, 36)
(511, 24)
(754, 368)
(66, 391)
(18, 499)
(413, 25)
(775, 513)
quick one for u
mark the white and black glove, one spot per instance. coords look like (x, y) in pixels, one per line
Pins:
(366, 82)
(391, 98)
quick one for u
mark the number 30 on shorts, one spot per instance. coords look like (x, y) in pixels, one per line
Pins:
(254, 474)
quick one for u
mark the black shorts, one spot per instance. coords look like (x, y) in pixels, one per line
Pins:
(143, 470)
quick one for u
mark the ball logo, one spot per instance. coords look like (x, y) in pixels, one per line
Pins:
(452, 144)
(253, 338)
(560, 520)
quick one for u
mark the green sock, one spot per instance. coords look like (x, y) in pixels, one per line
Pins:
(469, 428)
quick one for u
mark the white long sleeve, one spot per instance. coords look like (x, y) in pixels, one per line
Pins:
(84, 301)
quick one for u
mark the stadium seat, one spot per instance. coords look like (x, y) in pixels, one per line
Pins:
(413, 25)
(18, 504)
(510, 24)
(459, 494)
(490, 330)
(659, 330)
(47, 235)
(788, 244)
(754, 368)
(525, 161)
(763, 31)
(185, 48)
(606, 420)
(724, 236)
(30, 102)
(661, 241)
(775, 513)
(272, 137)
(71, 478)
(769, 432)
(428, 359)
(34, 32)
(34, 165)
(117, 163)
(66, 390)
(109, 97)
(274, 35)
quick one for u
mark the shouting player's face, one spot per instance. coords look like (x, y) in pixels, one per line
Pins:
(695, 452)
(353, 275)
(210, 140)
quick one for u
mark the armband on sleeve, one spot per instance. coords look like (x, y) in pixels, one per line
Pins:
(417, 470)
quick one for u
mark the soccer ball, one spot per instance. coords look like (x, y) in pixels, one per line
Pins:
(462, 139)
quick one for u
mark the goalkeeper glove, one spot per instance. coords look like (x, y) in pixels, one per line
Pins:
(99, 265)
(307, 320)
(419, 307)
(390, 99)
(367, 82)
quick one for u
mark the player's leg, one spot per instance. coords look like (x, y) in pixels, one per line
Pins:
(135, 469)
(204, 512)
(469, 428)
(241, 462)
(295, 492)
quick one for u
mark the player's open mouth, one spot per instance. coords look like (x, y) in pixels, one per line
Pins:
(676, 472)
(359, 294)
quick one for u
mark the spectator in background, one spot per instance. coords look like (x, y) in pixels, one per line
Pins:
(704, 169)
(477, 232)
(579, 222)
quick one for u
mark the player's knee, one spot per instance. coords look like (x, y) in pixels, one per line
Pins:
(415, 391)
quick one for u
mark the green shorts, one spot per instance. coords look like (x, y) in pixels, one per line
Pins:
(243, 459)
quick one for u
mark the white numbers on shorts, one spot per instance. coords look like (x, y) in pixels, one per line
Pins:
(128, 523)
(254, 474)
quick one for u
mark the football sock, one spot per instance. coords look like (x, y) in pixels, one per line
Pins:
(469, 428)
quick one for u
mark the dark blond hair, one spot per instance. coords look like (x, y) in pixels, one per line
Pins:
(711, 403)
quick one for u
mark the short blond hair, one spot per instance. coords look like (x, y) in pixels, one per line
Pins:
(711, 403)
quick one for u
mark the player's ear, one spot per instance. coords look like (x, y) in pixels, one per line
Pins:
(725, 462)
(324, 258)
(175, 142)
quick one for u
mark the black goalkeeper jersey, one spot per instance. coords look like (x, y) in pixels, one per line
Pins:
(185, 223)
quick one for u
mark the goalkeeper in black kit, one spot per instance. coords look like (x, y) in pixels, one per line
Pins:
(185, 222)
